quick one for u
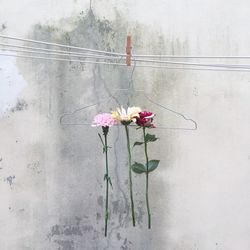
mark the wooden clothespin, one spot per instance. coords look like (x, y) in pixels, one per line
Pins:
(128, 50)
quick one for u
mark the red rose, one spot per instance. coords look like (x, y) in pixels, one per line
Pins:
(145, 119)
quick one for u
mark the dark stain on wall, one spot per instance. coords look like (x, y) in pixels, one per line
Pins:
(20, 105)
(10, 179)
(65, 244)
(67, 230)
(63, 87)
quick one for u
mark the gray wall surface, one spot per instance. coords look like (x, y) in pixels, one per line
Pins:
(51, 174)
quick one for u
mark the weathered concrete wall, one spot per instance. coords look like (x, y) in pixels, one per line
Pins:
(51, 175)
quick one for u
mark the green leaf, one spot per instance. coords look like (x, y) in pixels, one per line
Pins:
(152, 165)
(106, 215)
(106, 177)
(101, 139)
(138, 143)
(104, 148)
(109, 180)
(138, 168)
(150, 138)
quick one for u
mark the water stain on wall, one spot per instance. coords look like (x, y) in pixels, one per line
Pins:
(10, 179)
(65, 244)
(20, 105)
(61, 87)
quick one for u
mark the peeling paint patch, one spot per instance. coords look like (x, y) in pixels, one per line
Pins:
(34, 166)
(3, 26)
(118, 235)
(20, 105)
(66, 230)
(140, 215)
(65, 244)
(98, 216)
(87, 228)
(100, 201)
(10, 179)
(126, 244)
(115, 206)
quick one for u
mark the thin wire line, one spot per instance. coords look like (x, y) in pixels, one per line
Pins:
(122, 54)
(50, 50)
(61, 54)
(82, 55)
(60, 45)
(196, 64)
(121, 64)
(63, 59)
(192, 68)
(191, 57)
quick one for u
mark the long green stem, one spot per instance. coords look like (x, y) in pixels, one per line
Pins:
(107, 183)
(130, 175)
(147, 200)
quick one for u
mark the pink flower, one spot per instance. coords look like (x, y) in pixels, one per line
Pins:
(145, 119)
(104, 120)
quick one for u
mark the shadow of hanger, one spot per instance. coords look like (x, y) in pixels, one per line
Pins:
(132, 98)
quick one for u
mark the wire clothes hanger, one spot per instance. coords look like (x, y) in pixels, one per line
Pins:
(66, 118)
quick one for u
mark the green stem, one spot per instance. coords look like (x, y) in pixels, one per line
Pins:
(107, 184)
(130, 175)
(147, 200)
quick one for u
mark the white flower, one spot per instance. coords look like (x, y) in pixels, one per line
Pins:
(123, 115)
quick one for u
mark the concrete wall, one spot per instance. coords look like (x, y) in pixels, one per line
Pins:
(51, 175)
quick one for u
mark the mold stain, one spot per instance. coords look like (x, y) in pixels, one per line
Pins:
(35, 167)
(3, 26)
(65, 244)
(65, 230)
(126, 245)
(100, 201)
(20, 105)
(62, 87)
(10, 179)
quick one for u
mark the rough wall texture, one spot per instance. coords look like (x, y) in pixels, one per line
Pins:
(51, 178)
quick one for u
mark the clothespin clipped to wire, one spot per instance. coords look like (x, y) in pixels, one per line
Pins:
(128, 50)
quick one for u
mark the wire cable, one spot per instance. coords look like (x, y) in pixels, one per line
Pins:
(61, 54)
(123, 64)
(123, 54)
(83, 55)
(190, 57)
(51, 50)
(195, 64)
(60, 45)
(63, 59)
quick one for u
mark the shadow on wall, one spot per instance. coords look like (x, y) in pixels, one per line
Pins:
(59, 87)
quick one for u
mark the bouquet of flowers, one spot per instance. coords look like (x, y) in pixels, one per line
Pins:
(144, 122)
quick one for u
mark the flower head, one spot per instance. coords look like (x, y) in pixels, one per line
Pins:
(104, 120)
(127, 116)
(145, 119)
